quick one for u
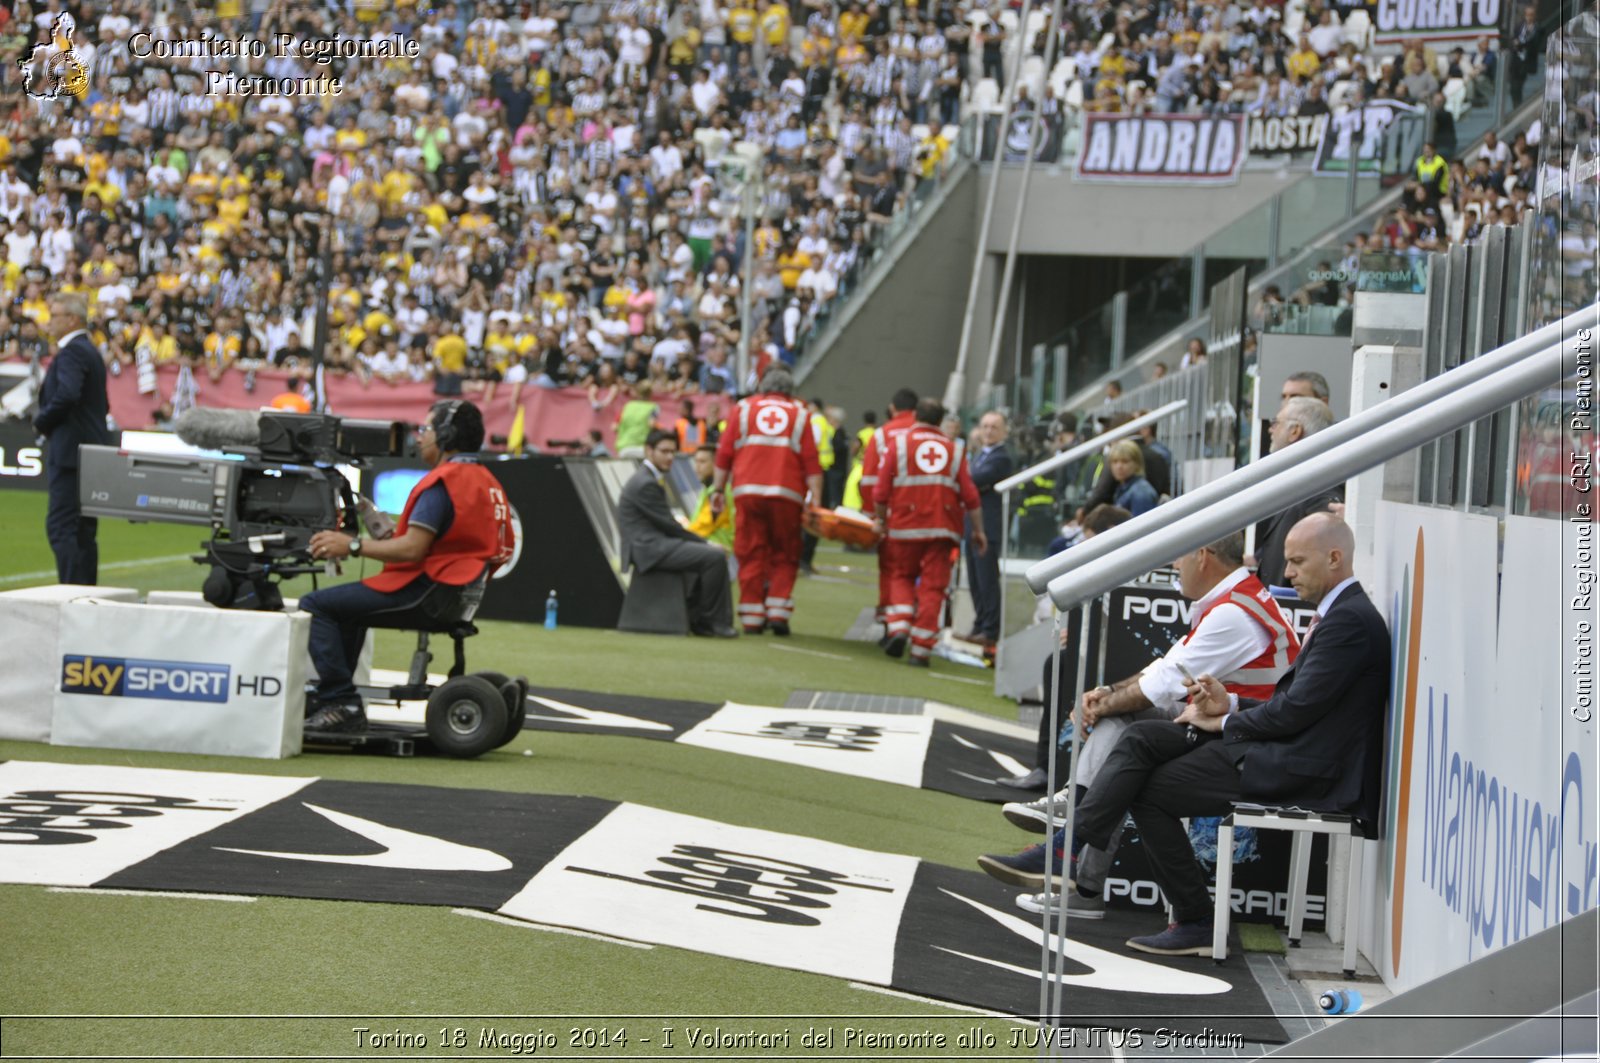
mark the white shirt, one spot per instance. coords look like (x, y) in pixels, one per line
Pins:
(665, 161)
(19, 247)
(1226, 640)
(705, 94)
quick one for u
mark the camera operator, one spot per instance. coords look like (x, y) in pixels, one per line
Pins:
(456, 525)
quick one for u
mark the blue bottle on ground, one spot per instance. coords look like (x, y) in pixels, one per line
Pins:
(550, 612)
(1340, 1001)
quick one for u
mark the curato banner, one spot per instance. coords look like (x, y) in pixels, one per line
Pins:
(180, 680)
(1439, 20)
(1162, 148)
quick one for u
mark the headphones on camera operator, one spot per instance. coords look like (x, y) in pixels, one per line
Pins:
(454, 429)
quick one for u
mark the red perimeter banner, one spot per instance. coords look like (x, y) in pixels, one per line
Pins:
(1162, 148)
(551, 413)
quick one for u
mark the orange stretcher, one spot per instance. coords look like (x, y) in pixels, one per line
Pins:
(847, 528)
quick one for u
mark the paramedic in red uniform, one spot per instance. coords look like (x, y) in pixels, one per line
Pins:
(924, 497)
(770, 455)
(902, 415)
(455, 524)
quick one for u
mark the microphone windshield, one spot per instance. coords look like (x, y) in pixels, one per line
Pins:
(218, 429)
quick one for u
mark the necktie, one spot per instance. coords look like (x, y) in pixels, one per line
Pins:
(1316, 618)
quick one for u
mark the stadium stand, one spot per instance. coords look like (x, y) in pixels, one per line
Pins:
(528, 200)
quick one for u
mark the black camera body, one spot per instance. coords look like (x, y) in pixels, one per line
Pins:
(277, 486)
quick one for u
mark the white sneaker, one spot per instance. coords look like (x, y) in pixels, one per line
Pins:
(1036, 815)
(1078, 906)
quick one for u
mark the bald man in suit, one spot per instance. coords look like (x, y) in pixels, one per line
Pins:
(1317, 742)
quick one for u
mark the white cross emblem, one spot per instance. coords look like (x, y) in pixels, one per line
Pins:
(931, 457)
(772, 421)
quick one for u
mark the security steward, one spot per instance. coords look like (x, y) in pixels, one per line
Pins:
(902, 416)
(924, 498)
(455, 526)
(770, 455)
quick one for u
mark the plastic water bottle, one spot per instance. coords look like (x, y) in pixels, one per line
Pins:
(1340, 1001)
(550, 612)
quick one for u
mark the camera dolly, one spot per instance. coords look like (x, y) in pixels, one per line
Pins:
(468, 715)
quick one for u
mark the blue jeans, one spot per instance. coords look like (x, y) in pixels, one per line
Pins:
(340, 617)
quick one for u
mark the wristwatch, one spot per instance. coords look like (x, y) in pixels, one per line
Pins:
(355, 547)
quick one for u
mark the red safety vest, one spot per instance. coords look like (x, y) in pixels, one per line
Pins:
(926, 485)
(1259, 677)
(479, 533)
(769, 448)
(872, 457)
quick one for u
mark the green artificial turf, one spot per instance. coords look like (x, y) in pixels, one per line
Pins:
(415, 969)
(1258, 937)
(79, 954)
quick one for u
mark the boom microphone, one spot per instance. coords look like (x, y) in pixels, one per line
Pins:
(217, 429)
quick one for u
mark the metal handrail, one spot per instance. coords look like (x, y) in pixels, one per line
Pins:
(1449, 402)
(1405, 404)
(1091, 446)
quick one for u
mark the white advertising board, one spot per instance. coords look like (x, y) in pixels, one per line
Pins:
(179, 679)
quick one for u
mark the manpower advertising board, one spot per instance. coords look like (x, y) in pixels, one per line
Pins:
(1490, 832)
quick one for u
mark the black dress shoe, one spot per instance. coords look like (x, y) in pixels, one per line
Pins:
(1034, 780)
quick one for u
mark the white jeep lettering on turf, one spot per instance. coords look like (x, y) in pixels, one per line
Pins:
(76, 824)
(649, 875)
(869, 744)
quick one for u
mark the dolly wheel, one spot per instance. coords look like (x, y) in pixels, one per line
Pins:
(466, 716)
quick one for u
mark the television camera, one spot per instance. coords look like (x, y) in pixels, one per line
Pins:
(275, 485)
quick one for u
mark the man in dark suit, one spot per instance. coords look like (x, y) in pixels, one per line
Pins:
(1298, 417)
(990, 463)
(72, 413)
(653, 541)
(1316, 743)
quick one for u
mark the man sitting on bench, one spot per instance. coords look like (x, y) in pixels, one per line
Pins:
(1317, 742)
(653, 541)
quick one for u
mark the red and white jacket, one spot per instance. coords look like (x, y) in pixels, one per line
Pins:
(480, 533)
(925, 484)
(768, 447)
(1259, 677)
(872, 458)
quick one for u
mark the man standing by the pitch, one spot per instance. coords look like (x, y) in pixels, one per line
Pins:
(72, 413)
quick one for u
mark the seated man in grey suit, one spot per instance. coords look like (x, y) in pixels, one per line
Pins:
(652, 540)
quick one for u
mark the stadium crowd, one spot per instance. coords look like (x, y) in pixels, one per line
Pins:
(542, 197)
(534, 200)
(1260, 58)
